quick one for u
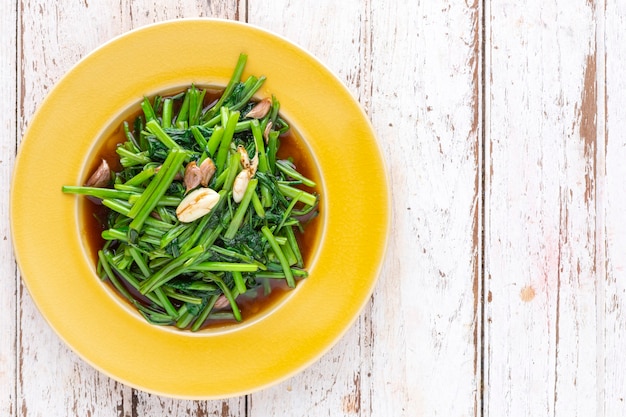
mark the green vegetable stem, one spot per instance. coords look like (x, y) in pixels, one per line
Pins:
(194, 225)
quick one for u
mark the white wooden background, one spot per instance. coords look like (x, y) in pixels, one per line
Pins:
(504, 128)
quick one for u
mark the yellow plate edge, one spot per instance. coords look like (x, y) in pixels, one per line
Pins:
(384, 207)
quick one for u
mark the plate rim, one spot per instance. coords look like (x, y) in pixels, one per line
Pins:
(384, 207)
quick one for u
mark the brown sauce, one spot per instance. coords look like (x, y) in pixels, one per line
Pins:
(256, 301)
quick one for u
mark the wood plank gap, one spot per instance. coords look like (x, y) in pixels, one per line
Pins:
(133, 403)
(486, 175)
(19, 67)
(16, 275)
(364, 397)
(557, 314)
(17, 75)
(19, 127)
(479, 303)
(479, 409)
(16, 347)
(242, 5)
(600, 198)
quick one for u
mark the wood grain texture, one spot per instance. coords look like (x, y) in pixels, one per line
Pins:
(425, 107)
(8, 276)
(141, 13)
(51, 41)
(52, 380)
(365, 374)
(333, 385)
(612, 239)
(539, 330)
(541, 260)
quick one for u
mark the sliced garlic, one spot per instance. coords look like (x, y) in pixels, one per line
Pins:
(197, 204)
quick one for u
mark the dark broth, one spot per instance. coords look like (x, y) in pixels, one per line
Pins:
(254, 302)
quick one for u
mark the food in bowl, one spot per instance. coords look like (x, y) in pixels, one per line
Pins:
(200, 213)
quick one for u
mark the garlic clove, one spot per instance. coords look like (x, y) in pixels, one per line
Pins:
(266, 132)
(260, 109)
(241, 183)
(221, 302)
(196, 204)
(207, 170)
(101, 176)
(243, 157)
(193, 176)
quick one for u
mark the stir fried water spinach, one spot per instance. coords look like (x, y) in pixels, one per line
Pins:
(202, 209)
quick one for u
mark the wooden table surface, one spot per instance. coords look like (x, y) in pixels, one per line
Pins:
(503, 124)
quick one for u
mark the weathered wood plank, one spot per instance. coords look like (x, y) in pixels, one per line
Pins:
(425, 107)
(8, 283)
(541, 260)
(338, 34)
(136, 14)
(612, 236)
(554, 224)
(52, 380)
(139, 13)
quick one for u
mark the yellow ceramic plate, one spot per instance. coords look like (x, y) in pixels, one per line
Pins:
(49, 241)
